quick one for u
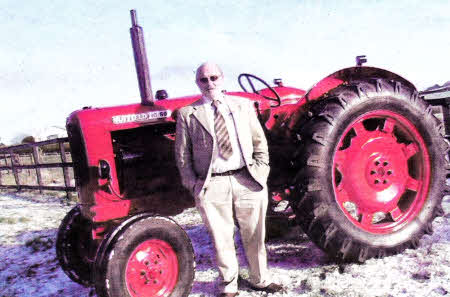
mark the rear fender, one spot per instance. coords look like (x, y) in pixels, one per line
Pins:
(346, 75)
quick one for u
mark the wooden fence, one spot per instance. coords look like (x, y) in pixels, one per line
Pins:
(22, 166)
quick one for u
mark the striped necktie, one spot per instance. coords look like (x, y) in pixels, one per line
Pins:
(223, 138)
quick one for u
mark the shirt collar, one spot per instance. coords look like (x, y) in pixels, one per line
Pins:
(207, 100)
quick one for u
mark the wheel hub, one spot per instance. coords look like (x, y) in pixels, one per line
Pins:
(374, 172)
(152, 269)
(374, 169)
(378, 172)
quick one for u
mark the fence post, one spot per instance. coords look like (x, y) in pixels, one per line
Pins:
(1, 171)
(38, 170)
(14, 169)
(6, 162)
(31, 163)
(2, 157)
(62, 151)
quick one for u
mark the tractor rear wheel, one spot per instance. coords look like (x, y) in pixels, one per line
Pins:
(372, 171)
(151, 256)
(73, 245)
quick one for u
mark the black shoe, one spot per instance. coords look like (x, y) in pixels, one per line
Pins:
(228, 294)
(272, 288)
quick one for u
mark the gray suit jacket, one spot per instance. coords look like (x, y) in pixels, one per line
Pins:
(194, 143)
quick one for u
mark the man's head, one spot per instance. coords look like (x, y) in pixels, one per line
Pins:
(209, 80)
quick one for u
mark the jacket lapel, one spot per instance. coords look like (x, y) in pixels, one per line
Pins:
(200, 114)
(236, 112)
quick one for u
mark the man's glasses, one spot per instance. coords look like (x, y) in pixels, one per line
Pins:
(204, 80)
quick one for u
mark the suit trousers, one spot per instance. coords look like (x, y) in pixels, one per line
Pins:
(236, 196)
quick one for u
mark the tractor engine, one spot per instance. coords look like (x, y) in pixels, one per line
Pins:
(126, 166)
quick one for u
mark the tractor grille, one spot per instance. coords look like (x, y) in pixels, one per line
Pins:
(78, 152)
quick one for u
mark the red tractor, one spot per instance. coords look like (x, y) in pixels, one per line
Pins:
(358, 161)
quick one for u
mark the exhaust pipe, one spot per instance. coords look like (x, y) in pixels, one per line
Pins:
(140, 60)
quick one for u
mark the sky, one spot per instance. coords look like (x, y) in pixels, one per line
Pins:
(58, 56)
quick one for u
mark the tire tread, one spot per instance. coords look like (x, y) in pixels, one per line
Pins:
(309, 185)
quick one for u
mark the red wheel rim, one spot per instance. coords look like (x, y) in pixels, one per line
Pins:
(381, 172)
(152, 269)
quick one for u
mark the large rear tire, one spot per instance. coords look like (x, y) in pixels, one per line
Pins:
(372, 171)
(151, 256)
(73, 245)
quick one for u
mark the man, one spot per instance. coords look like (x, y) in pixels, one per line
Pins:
(222, 156)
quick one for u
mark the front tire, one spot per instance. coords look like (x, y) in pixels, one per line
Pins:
(152, 256)
(73, 243)
(372, 171)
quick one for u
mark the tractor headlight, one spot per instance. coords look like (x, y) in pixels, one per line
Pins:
(104, 171)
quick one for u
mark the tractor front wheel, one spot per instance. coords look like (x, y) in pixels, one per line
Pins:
(73, 243)
(151, 256)
(372, 171)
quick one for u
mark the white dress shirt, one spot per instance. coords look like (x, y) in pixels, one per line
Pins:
(236, 160)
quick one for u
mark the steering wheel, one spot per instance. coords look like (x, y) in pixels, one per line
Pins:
(249, 78)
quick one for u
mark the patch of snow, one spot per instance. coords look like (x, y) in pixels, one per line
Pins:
(29, 267)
